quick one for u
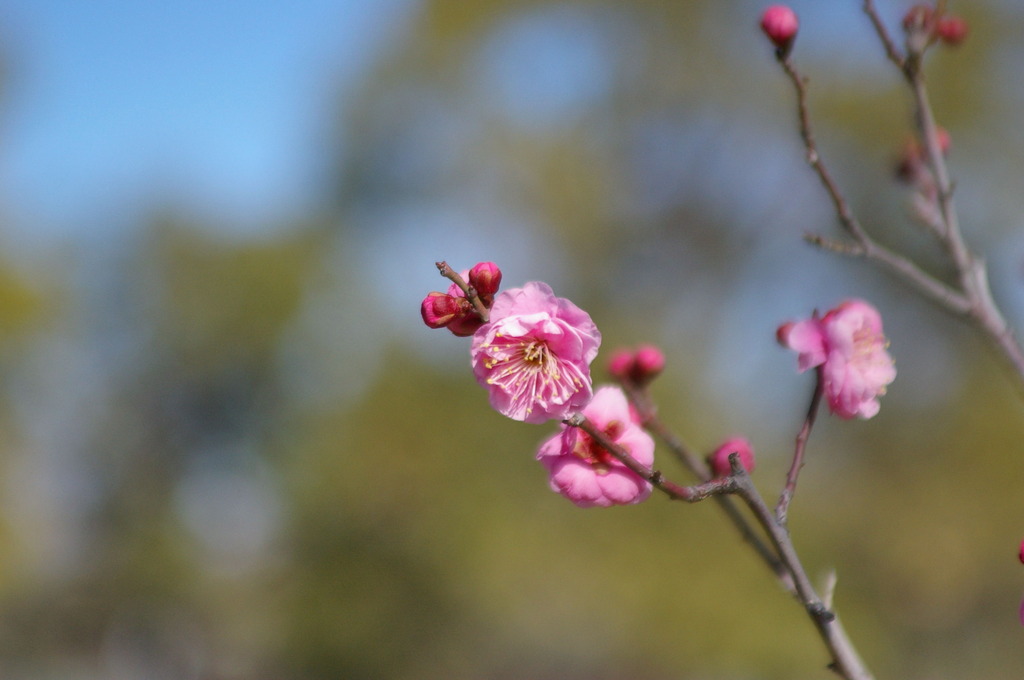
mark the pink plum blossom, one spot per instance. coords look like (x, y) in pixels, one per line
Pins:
(534, 354)
(848, 344)
(587, 474)
(719, 460)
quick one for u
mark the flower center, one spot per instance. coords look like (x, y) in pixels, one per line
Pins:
(530, 373)
(536, 353)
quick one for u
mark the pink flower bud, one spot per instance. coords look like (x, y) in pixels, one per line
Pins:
(485, 277)
(951, 30)
(650, 361)
(719, 460)
(621, 364)
(945, 141)
(780, 24)
(1021, 553)
(438, 309)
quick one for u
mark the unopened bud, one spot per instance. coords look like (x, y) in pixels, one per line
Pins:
(1021, 553)
(952, 30)
(719, 460)
(439, 309)
(780, 24)
(485, 277)
(649, 362)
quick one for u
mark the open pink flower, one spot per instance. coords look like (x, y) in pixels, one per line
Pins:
(584, 472)
(534, 354)
(849, 346)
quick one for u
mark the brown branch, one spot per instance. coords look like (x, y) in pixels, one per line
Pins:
(891, 50)
(641, 400)
(690, 494)
(845, 660)
(864, 246)
(782, 507)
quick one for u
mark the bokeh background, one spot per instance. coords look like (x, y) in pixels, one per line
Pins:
(231, 450)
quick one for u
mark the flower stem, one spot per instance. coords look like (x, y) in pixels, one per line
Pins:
(782, 508)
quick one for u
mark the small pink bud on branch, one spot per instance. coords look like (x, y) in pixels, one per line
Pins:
(952, 30)
(780, 24)
(719, 459)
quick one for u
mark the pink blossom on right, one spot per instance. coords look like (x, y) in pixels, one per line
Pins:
(850, 347)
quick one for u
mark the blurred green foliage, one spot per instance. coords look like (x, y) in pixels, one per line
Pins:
(230, 457)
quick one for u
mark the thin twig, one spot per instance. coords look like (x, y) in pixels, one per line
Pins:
(891, 50)
(971, 270)
(782, 507)
(846, 217)
(864, 245)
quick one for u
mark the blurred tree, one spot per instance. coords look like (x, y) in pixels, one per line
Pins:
(265, 467)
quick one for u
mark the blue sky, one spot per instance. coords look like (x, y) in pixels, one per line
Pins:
(111, 106)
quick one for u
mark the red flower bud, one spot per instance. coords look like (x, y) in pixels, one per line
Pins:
(485, 277)
(649, 362)
(719, 460)
(439, 309)
(1021, 553)
(780, 24)
(952, 30)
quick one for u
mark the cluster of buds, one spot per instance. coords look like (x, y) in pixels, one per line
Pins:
(924, 25)
(455, 310)
(638, 367)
